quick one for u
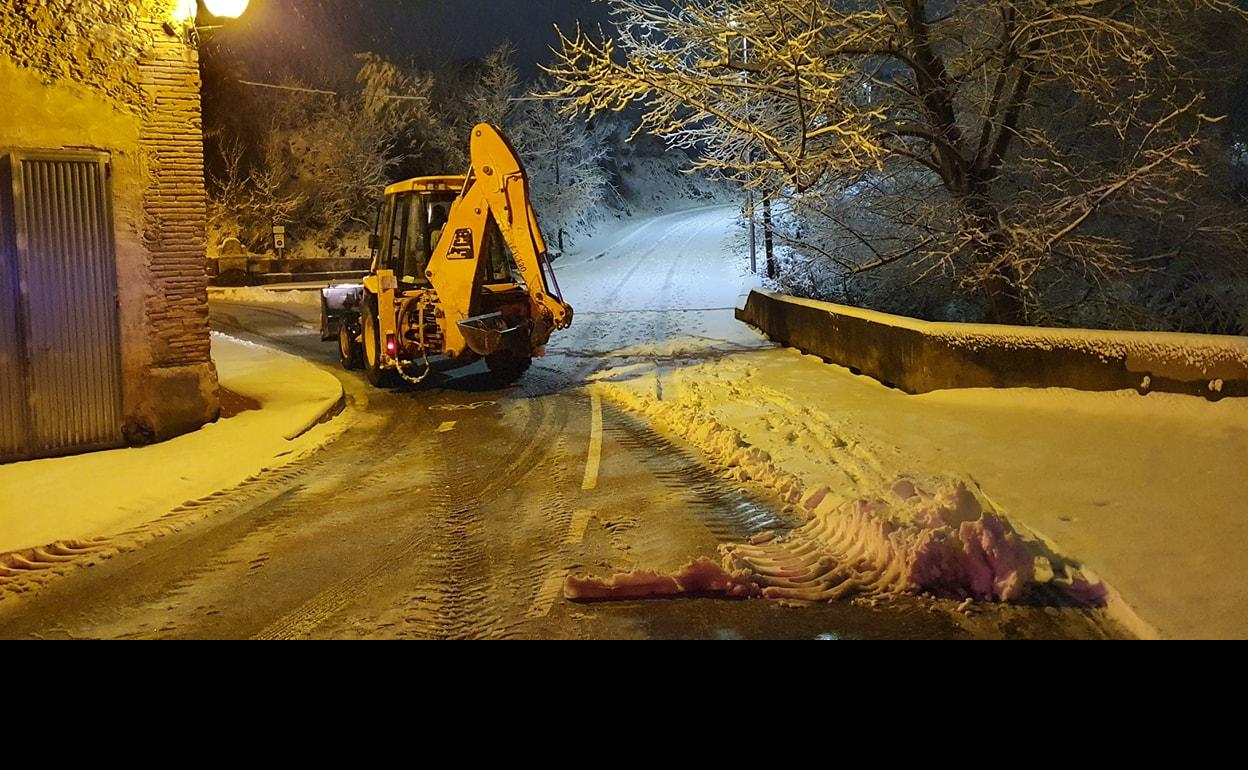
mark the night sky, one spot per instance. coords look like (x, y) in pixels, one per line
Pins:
(313, 40)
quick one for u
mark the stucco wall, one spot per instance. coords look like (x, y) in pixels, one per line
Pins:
(108, 75)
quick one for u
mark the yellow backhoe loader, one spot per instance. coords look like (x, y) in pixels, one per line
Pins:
(459, 273)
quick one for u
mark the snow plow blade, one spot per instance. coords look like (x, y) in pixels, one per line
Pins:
(490, 334)
(339, 303)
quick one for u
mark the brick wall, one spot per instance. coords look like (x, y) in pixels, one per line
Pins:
(174, 202)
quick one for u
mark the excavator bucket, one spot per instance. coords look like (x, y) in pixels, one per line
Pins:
(490, 334)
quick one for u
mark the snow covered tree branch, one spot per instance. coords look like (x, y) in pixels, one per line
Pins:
(567, 161)
(991, 142)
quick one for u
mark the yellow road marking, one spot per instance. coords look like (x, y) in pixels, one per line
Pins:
(547, 594)
(446, 427)
(576, 532)
(595, 445)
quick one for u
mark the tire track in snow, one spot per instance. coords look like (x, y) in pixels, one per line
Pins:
(728, 512)
(455, 598)
(703, 223)
(597, 332)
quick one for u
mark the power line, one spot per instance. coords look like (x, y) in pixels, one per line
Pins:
(288, 88)
(396, 97)
(300, 89)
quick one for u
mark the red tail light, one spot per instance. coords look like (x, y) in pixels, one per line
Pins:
(391, 346)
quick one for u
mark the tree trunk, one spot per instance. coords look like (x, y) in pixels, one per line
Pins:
(1001, 289)
(558, 185)
(1005, 306)
(773, 270)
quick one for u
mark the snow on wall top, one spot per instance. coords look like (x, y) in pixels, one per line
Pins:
(1182, 354)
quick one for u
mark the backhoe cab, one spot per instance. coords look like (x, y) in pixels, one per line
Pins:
(459, 273)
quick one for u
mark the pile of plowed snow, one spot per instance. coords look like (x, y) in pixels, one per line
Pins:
(260, 295)
(881, 535)
(943, 542)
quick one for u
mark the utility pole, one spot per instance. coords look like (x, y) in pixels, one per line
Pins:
(768, 243)
(773, 270)
(749, 149)
(749, 159)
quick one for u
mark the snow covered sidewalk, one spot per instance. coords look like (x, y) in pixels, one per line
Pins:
(1145, 493)
(100, 494)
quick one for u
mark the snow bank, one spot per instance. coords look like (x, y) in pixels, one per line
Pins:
(945, 543)
(877, 535)
(74, 502)
(723, 445)
(293, 393)
(1140, 497)
(261, 295)
(701, 577)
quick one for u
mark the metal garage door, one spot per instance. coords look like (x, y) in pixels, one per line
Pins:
(60, 356)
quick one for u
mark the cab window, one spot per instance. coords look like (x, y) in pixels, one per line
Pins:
(385, 220)
(415, 242)
(393, 252)
(438, 212)
(419, 221)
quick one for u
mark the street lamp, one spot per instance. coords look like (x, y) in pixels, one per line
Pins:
(186, 13)
(226, 9)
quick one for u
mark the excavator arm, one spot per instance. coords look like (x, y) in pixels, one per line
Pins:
(494, 201)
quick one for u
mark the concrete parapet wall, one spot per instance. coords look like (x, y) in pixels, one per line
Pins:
(921, 356)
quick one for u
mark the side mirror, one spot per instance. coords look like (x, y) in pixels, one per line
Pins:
(374, 242)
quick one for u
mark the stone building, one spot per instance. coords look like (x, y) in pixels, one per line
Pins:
(103, 308)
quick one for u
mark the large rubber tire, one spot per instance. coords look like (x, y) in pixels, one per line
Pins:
(350, 351)
(506, 368)
(376, 375)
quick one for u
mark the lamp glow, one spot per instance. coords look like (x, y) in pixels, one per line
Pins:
(185, 10)
(226, 9)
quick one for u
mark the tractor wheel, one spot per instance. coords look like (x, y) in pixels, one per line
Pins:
(505, 368)
(376, 374)
(350, 351)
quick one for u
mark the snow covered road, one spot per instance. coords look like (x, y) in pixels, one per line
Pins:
(665, 286)
(457, 510)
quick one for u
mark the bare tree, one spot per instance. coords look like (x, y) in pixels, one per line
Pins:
(397, 102)
(320, 161)
(228, 190)
(273, 200)
(567, 161)
(248, 199)
(993, 142)
(483, 92)
(490, 99)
